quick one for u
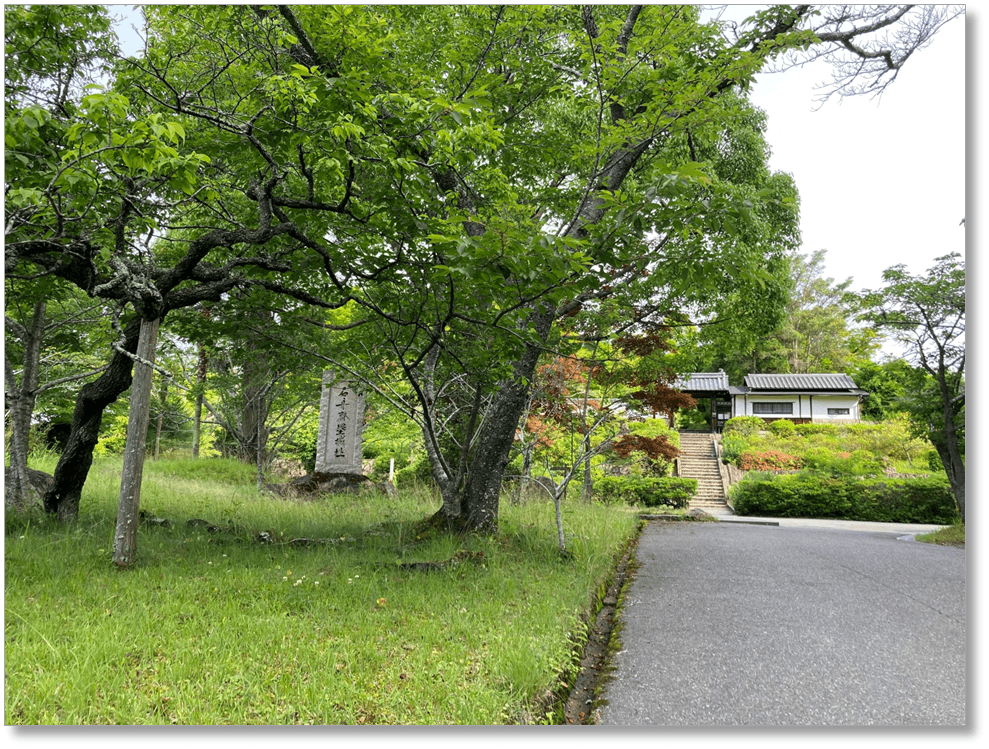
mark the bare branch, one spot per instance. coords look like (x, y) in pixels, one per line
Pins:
(867, 46)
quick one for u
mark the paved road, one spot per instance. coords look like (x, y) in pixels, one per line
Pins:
(729, 624)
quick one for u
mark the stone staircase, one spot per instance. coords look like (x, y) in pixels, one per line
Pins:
(698, 460)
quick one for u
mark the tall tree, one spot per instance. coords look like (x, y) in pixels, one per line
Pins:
(90, 182)
(887, 384)
(532, 148)
(816, 332)
(43, 352)
(926, 314)
(506, 165)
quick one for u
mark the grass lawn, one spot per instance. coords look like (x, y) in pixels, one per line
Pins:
(219, 628)
(953, 535)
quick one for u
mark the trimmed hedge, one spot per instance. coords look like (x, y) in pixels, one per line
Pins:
(646, 492)
(782, 428)
(744, 426)
(810, 495)
(839, 427)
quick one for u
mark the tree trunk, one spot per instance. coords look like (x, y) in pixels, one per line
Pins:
(522, 487)
(125, 537)
(21, 407)
(557, 500)
(588, 490)
(197, 419)
(257, 381)
(482, 491)
(20, 401)
(259, 466)
(951, 456)
(62, 500)
(201, 371)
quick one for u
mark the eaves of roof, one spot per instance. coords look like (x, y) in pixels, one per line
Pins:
(796, 391)
(832, 381)
(703, 382)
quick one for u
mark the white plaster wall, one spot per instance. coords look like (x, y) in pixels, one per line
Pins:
(823, 402)
(743, 405)
(802, 406)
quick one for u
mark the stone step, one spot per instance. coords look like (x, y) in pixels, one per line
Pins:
(699, 460)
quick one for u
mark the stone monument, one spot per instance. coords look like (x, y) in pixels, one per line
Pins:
(341, 425)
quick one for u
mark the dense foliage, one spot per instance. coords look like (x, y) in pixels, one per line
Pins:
(810, 495)
(646, 492)
(462, 180)
(743, 426)
(855, 448)
(854, 471)
(926, 314)
(816, 332)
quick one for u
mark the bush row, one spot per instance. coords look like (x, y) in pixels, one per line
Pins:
(768, 460)
(744, 426)
(646, 492)
(927, 500)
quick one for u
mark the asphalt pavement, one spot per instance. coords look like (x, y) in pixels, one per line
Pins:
(746, 622)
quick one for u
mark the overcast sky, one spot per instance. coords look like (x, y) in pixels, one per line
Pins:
(881, 181)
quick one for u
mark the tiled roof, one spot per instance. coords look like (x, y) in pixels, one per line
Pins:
(800, 382)
(703, 382)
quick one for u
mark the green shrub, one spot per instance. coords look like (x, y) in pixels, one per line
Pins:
(303, 442)
(864, 463)
(744, 426)
(646, 492)
(824, 427)
(654, 428)
(768, 460)
(113, 434)
(841, 463)
(844, 449)
(732, 448)
(810, 495)
(382, 463)
(419, 473)
(389, 432)
(640, 464)
(782, 428)
(691, 418)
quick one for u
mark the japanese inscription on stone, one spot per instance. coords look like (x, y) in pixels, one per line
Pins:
(341, 424)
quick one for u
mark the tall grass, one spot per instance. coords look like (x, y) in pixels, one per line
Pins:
(220, 628)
